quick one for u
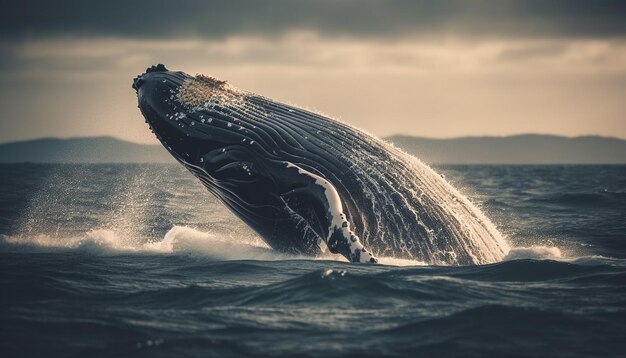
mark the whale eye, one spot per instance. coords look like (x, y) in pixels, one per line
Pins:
(237, 171)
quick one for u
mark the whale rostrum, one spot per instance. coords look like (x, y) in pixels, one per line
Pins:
(305, 182)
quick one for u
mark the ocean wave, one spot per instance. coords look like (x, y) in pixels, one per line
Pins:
(178, 240)
(582, 199)
(515, 324)
(195, 284)
(186, 241)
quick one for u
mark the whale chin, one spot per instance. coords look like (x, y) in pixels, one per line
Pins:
(307, 183)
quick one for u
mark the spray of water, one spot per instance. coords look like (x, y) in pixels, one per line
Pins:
(69, 210)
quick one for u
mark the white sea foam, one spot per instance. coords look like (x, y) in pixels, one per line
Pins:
(98, 241)
(182, 240)
(179, 240)
(392, 261)
(185, 240)
(534, 252)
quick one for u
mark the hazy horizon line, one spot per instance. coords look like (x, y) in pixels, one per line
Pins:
(385, 137)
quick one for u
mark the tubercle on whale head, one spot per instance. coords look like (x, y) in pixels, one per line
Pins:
(202, 89)
(138, 81)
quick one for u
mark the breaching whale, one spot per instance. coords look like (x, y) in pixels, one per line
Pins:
(305, 182)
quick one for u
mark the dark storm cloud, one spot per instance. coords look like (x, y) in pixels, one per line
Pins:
(160, 18)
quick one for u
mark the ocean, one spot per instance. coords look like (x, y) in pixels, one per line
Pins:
(139, 260)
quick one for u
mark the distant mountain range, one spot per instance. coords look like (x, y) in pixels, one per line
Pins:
(83, 150)
(519, 149)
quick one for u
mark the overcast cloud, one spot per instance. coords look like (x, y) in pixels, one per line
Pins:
(393, 18)
(442, 68)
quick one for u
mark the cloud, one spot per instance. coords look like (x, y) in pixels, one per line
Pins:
(305, 51)
(23, 19)
(423, 86)
(437, 68)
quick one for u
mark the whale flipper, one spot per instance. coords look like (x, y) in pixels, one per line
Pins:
(321, 200)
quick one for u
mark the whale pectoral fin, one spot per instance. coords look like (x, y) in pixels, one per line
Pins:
(321, 196)
(344, 241)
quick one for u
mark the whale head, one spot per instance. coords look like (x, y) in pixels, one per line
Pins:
(244, 155)
(171, 118)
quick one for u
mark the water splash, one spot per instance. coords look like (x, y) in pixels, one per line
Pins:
(53, 207)
(122, 208)
(534, 252)
(179, 240)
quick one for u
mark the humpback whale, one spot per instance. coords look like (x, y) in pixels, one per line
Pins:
(307, 183)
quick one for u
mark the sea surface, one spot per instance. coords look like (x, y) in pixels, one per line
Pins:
(139, 260)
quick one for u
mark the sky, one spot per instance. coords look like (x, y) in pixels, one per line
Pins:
(440, 69)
